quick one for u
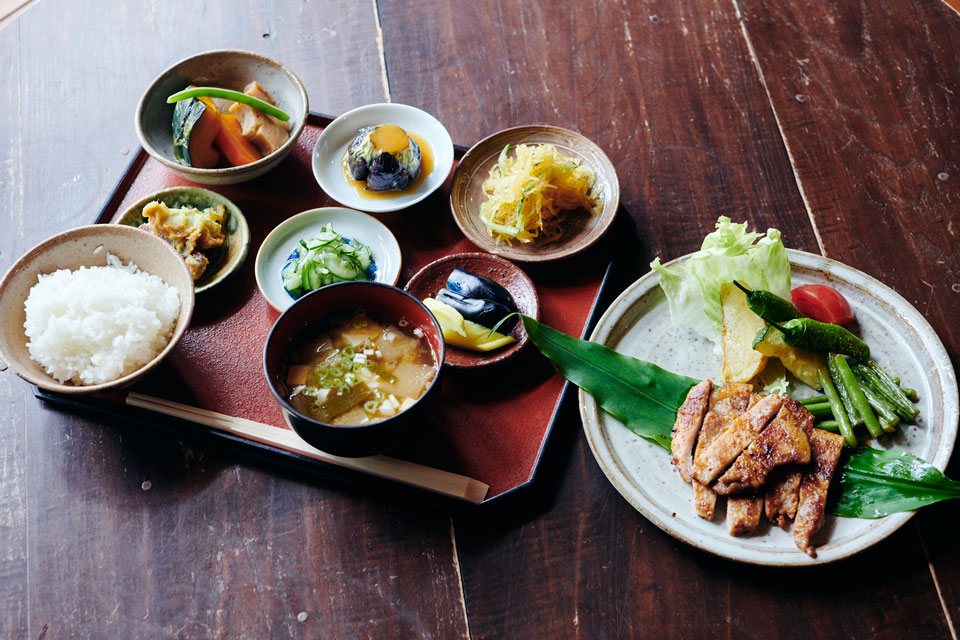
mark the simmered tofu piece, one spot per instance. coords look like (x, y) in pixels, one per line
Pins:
(265, 132)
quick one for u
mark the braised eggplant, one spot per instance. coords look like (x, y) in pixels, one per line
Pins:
(470, 285)
(385, 157)
(485, 312)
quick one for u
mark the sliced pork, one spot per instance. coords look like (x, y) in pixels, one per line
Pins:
(784, 441)
(690, 415)
(736, 437)
(825, 448)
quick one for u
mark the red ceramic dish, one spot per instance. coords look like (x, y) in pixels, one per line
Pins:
(429, 280)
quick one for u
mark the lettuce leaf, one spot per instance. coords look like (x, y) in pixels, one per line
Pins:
(730, 253)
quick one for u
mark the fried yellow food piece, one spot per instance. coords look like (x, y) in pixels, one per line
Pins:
(190, 230)
(740, 325)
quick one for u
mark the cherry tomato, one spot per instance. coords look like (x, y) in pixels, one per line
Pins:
(823, 303)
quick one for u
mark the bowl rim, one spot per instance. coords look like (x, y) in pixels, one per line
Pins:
(243, 232)
(186, 311)
(223, 171)
(285, 406)
(506, 251)
(400, 202)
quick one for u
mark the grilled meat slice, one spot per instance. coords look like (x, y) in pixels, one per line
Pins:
(743, 514)
(704, 500)
(726, 403)
(736, 437)
(731, 400)
(825, 448)
(783, 495)
(784, 441)
(687, 427)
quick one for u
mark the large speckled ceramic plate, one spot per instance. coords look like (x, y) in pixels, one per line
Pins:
(638, 324)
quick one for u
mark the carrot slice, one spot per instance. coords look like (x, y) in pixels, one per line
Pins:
(237, 149)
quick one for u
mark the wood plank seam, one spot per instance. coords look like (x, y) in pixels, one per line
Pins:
(463, 595)
(384, 77)
(776, 118)
(936, 584)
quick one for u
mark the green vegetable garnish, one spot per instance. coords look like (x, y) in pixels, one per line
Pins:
(875, 483)
(730, 253)
(229, 94)
(640, 394)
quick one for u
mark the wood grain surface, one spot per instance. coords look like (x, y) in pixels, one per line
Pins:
(834, 122)
(684, 115)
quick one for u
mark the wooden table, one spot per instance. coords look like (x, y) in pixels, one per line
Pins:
(837, 122)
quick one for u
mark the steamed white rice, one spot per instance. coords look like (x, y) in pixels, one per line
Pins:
(97, 324)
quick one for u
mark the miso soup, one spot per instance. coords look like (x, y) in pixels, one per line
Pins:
(351, 368)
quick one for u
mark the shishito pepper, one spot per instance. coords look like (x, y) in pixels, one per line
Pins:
(769, 306)
(810, 335)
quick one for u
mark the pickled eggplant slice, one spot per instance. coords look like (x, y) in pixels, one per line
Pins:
(484, 312)
(471, 285)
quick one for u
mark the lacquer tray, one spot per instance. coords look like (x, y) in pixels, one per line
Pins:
(491, 426)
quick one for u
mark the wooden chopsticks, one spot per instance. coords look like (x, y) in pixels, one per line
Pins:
(409, 473)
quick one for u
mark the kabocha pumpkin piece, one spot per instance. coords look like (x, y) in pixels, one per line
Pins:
(195, 126)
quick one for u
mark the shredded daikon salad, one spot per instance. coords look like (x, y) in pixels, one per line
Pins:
(530, 193)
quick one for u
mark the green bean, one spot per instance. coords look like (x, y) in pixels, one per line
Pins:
(229, 94)
(839, 413)
(828, 425)
(911, 394)
(813, 400)
(820, 410)
(843, 392)
(888, 417)
(856, 396)
(900, 403)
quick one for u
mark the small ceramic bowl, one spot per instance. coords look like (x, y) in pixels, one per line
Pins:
(331, 149)
(433, 277)
(230, 70)
(87, 246)
(225, 259)
(354, 225)
(466, 192)
(384, 301)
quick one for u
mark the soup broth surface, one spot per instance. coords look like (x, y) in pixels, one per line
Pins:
(350, 368)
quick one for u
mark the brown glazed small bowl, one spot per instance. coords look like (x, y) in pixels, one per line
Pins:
(71, 250)
(433, 277)
(391, 305)
(227, 69)
(466, 192)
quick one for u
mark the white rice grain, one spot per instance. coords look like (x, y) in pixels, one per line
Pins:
(97, 324)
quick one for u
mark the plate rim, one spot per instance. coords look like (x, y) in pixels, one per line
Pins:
(506, 251)
(401, 202)
(318, 211)
(590, 412)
